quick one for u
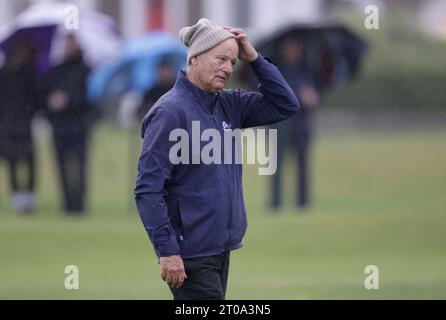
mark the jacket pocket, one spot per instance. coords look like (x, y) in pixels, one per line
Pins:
(173, 207)
(204, 221)
(180, 229)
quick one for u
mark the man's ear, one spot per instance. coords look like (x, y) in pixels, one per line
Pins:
(193, 61)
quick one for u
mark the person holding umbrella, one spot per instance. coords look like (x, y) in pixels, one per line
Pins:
(165, 81)
(70, 115)
(297, 130)
(20, 99)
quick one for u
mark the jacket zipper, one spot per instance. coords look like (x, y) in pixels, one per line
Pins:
(226, 245)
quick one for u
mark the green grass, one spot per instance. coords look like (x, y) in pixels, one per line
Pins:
(379, 198)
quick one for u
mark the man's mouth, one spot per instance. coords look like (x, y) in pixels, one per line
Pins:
(221, 78)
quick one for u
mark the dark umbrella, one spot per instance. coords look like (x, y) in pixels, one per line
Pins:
(331, 51)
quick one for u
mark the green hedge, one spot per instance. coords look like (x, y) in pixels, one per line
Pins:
(403, 69)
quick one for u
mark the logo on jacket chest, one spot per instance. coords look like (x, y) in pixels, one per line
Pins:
(226, 126)
(232, 146)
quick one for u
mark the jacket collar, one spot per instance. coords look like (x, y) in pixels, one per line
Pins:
(205, 98)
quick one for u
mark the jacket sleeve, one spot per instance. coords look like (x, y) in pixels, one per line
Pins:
(154, 171)
(78, 90)
(275, 102)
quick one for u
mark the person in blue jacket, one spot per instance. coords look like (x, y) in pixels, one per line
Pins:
(194, 212)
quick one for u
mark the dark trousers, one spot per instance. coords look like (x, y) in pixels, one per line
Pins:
(17, 148)
(22, 172)
(207, 278)
(299, 145)
(71, 155)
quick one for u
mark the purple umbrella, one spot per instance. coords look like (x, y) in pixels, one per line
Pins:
(41, 40)
(44, 25)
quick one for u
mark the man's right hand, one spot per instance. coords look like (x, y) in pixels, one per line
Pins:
(309, 97)
(172, 271)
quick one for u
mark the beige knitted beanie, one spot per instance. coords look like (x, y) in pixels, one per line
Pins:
(202, 37)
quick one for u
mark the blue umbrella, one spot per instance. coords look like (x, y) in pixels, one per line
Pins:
(136, 68)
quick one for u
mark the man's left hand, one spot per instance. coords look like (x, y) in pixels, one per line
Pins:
(247, 52)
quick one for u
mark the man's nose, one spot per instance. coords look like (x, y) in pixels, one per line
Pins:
(228, 67)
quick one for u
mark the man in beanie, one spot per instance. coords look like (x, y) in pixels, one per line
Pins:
(194, 212)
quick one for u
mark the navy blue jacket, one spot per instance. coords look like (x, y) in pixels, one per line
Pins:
(197, 210)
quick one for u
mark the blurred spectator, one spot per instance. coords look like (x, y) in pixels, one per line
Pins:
(166, 80)
(296, 131)
(19, 101)
(70, 116)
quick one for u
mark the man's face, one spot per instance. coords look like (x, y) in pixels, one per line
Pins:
(292, 51)
(71, 46)
(214, 67)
